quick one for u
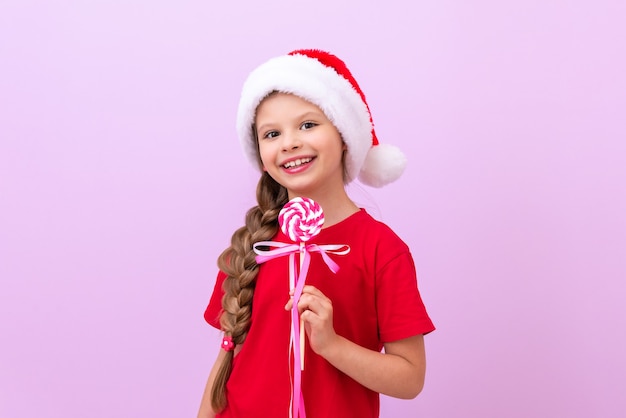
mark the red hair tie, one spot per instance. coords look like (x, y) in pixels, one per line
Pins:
(228, 344)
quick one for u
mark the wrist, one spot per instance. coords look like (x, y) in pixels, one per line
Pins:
(332, 348)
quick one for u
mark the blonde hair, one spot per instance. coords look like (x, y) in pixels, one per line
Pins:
(238, 262)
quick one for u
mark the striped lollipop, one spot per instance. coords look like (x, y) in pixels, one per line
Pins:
(301, 219)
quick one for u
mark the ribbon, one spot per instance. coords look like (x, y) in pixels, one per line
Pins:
(296, 283)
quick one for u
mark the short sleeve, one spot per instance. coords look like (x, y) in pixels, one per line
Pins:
(401, 311)
(214, 309)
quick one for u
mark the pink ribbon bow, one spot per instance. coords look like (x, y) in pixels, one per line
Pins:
(296, 282)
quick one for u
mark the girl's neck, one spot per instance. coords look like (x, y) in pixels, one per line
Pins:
(336, 207)
(338, 214)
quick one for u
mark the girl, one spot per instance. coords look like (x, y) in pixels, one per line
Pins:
(304, 121)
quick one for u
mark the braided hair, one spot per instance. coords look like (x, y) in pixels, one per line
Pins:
(238, 263)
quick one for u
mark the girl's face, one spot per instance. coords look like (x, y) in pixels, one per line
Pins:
(299, 147)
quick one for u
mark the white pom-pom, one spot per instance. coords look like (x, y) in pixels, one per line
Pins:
(384, 164)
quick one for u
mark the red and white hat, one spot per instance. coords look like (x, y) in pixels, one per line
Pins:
(324, 80)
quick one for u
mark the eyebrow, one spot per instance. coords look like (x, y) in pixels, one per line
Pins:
(310, 113)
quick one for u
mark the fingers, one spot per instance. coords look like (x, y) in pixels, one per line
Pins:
(308, 289)
(314, 303)
(310, 299)
(316, 310)
(314, 306)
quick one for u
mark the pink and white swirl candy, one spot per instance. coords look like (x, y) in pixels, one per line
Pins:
(301, 219)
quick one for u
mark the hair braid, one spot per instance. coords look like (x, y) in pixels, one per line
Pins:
(239, 264)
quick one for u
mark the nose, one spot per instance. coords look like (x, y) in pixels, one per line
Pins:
(291, 141)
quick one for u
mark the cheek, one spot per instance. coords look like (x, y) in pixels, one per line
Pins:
(266, 154)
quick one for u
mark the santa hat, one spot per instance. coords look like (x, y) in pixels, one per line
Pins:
(324, 80)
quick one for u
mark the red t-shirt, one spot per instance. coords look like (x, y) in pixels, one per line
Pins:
(375, 300)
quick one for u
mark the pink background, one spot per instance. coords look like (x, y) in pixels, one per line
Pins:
(121, 180)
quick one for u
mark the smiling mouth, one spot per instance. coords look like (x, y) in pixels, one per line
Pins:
(297, 163)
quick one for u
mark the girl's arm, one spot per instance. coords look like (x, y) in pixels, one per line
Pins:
(398, 372)
(206, 411)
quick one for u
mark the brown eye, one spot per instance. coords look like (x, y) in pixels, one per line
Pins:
(308, 125)
(271, 135)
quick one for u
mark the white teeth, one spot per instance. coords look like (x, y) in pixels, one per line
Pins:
(296, 163)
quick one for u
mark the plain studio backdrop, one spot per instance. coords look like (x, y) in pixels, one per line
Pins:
(121, 180)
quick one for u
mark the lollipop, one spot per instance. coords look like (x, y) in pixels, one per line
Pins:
(301, 219)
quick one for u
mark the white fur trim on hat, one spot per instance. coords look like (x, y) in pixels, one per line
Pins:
(322, 85)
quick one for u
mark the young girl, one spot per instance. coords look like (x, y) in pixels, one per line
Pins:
(304, 121)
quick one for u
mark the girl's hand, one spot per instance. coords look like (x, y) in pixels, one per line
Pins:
(316, 311)
(398, 372)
